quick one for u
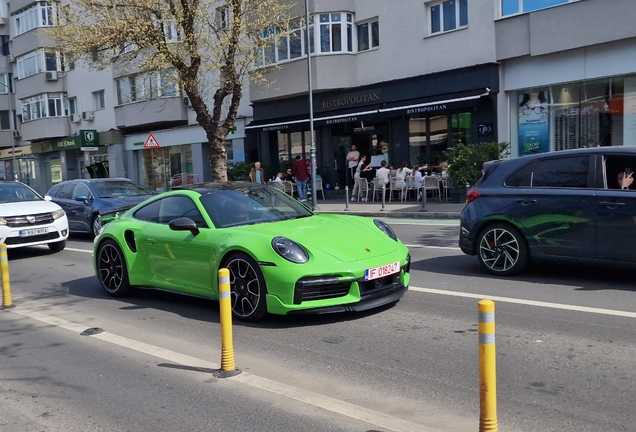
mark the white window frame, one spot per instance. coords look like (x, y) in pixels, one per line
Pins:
(222, 17)
(360, 28)
(6, 86)
(72, 106)
(327, 21)
(520, 7)
(40, 63)
(42, 14)
(440, 4)
(99, 100)
(147, 86)
(39, 106)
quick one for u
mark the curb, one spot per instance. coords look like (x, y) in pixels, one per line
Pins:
(401, 215)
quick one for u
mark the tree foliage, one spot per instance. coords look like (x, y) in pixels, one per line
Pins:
(208, 47)
(466, 161)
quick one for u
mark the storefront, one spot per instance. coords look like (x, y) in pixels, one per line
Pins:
(576, 99)
(412, 120)
(23, 160)
(67, 158)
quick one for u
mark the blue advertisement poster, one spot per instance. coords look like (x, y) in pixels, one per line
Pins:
(534, 126)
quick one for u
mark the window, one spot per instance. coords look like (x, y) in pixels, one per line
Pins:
(368, 35)
(149, 213)
(40, 15)
(171, 33)
(44, 105)
(448, 15)
(5, 123)
(570, 172)
(72, 106)
(4, 45)
(512, 7)
(98, 100)
(6, 83)
(66, 191)
(177, 207)
(335, 32)
(222, 17)
(38, 61)
(146, 86)
(81, 190)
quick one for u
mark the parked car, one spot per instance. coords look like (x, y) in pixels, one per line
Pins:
(84, 199)
(282, 258)
(571, 204)
(27, 219)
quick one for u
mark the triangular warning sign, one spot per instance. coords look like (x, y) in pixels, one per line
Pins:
(151, 142)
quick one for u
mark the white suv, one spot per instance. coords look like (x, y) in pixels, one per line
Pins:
(27, 219)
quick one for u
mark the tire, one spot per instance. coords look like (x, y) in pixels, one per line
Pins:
(57, 246)
(502, 250)
(96, 224)
(247, 287)
(111, 269)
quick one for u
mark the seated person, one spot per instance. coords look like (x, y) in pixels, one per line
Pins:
(625, 179)
(289, 177)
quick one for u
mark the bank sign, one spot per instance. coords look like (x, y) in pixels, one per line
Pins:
(85, 138)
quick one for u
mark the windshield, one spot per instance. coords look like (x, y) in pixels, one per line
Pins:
(246, 206)
(17, 192)
(117, 189)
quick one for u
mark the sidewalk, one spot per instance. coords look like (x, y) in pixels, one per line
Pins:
(408, 209)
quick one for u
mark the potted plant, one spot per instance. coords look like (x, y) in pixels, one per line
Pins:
(465, 162)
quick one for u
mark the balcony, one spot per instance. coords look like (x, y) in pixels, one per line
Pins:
(167, 112)
(45, 128)
(38, 84)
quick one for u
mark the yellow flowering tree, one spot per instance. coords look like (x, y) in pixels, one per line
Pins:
(209, 48)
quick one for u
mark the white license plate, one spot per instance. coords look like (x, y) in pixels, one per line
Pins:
(381, 271)
(33, 232)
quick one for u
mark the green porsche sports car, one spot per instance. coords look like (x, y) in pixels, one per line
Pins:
(282, 257)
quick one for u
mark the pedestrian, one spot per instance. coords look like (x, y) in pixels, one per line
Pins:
(257, 175)
(299, 170)
(352, 158)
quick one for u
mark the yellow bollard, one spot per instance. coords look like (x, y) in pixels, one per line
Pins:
(6, 284)
(487, 368)
(228, 368)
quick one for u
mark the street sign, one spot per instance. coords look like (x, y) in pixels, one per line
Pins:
(89, 148)
(151, 142)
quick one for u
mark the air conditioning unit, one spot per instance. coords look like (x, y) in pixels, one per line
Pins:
(186, 101)
(88, 115)
(76, 117)
(16, 134)
(51, 76)
(4, 20)
(11, 58)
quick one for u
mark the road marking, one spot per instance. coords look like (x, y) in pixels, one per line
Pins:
(431, 247)
(355, 412)
(79, 250)
(527, 302)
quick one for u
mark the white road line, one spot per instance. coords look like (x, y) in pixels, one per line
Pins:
(527, 302)
(356, 412)
(78, 250)
(431, 247)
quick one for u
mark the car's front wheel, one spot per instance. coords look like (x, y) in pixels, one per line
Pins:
(96, 224)
(57, 246)
(111, 268)
(502, 250)
(247, 287)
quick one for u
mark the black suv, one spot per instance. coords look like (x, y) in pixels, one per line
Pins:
(575, 203)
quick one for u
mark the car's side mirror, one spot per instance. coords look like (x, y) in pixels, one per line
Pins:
(48, 198)
(82, 198)
(184, 224)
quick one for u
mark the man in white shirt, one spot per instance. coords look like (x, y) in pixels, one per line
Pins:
(352, 158)
(382, 174)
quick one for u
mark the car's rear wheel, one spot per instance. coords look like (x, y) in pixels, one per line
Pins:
(111, 268)
(57, 246)
(502, 250)
(247, 287)
(96, 224)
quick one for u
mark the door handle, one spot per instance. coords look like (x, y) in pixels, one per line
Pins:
(526, 201)
(150, 241)
(611, 204)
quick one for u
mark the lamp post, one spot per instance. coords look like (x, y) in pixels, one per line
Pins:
(314, 198)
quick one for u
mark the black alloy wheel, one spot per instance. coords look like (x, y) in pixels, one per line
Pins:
(502, 250)
(247, 287)
(111, 268)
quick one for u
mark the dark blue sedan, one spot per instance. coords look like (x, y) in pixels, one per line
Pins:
(84, 199)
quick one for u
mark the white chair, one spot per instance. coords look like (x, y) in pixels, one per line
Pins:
(277, 185)
(319, 188)
(289, 188)
(363, 189)
(396, 185)
(377, 188)
(412, 186)
(431, 183)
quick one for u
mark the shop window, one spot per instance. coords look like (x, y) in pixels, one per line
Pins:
(512, 7)
(448, 15)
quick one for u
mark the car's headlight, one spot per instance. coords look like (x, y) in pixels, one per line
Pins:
(58, 214)
(385, 228)
(290, 250)
(3, 221)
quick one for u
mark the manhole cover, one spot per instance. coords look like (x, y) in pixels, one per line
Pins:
(92, 331)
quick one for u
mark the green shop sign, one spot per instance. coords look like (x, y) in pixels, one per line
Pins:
(85, 138)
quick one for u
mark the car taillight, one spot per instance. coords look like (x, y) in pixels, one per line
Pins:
(472, 195)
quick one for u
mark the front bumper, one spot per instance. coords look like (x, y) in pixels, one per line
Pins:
(55, 232)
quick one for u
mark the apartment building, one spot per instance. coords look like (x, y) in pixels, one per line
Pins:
(62, 121)
(568, 73)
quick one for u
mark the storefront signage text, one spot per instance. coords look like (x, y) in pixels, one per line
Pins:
(275, 128)
(86, 138)
(424, 109)
(352, 99)
(342, 120)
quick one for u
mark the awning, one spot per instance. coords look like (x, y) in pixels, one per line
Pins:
(432, 106)
(266, 126)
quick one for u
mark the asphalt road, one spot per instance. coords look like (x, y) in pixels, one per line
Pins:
(565, 342)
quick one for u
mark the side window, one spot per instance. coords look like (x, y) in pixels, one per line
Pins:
(66, 191)
(522, 177)
(618, 167)
(177, 207)
(149, 213)
(81, 190)
(566, 172)
(53, 192)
